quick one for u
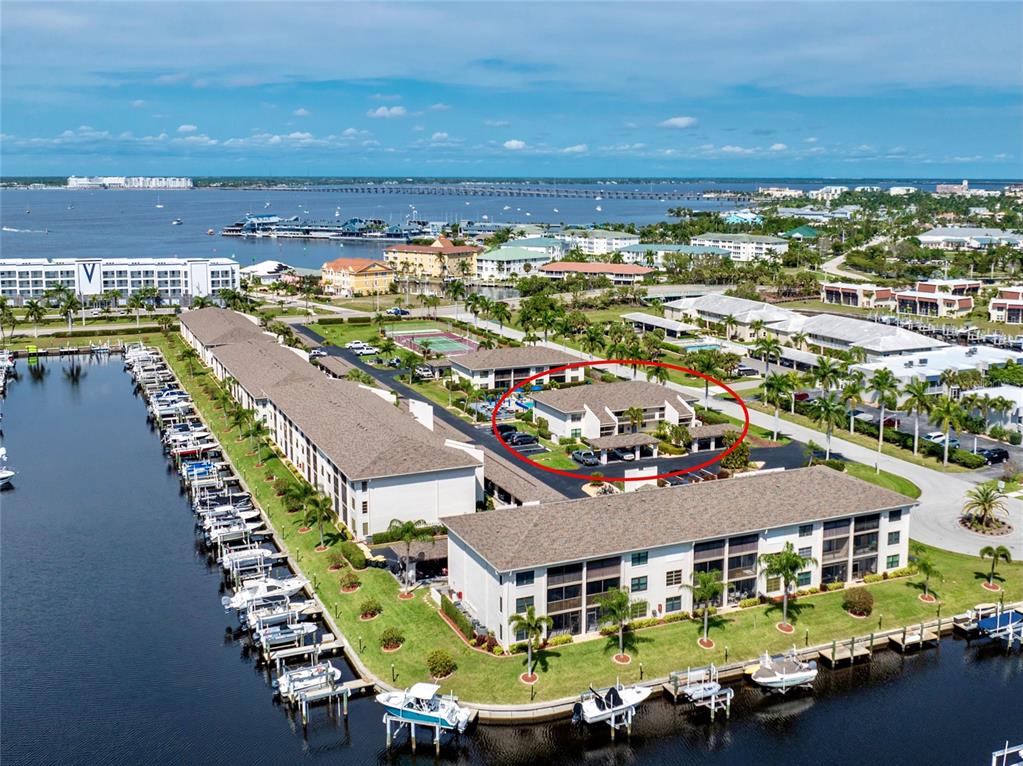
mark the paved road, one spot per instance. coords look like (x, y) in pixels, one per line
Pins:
(832, 267)
(936, 521)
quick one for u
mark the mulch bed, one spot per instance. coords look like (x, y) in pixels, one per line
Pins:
(708, 644)
(364, 618)
(304, 530)
(530, 679)
(350, 590)
(622, 659)
(857, 615)
(390, 649)
(928, 599)
(991, 586)
(320, 548)
(782, 627)
(999, 530)
(406, 596)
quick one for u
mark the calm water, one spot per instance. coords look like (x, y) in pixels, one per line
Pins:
(114, 646)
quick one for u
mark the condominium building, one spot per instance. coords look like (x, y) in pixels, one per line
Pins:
(745, 247)
(510, 263)
(551, 246)
(938, 298)
(596, 241)
(441, 259)
(503, 368)
(779, 192)
(599, 410)
(901, 191)
(618, 273)
(655, 254)
(828, 193)
(862, 296)
(375, 461)
(1007, 306)
(127, 182)
(968, 238)
(349, 277)
(177, 279)
(559, 557)
(929, 365)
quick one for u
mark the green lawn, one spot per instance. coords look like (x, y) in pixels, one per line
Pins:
(21, 342)
(340, 334)
(884, 479)
(567, 670)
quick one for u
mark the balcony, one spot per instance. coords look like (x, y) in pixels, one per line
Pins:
(564, 605)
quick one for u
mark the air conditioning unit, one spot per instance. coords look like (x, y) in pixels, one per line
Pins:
(922, 362)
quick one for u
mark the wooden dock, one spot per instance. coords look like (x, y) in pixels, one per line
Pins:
(911, 639)
(846, 652)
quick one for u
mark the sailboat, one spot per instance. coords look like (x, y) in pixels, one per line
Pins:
(422, 703)
(159, 205)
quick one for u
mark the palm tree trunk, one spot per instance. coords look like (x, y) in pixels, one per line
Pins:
(621, 638)
(792, 404)
(320, 524)
(945, 458)
(827, 454)
(785, 605)
(776, 423)
(852, 428)
(529, 656)
(706, 620)
(880, 431)
(916, 432)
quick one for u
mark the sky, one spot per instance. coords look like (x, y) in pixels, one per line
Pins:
(570, 89)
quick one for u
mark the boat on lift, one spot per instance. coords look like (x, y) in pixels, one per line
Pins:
(618, 703)
(262, 589)
(783, 672)
(422, 703)
(291, 683)
(6, 474)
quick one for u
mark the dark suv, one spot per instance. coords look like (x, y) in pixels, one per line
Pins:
(994, 454)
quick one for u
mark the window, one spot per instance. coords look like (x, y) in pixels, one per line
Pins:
(895, 515)
(520, 635)
(805, 530)
(640, 559)
(500, 604)
(893, 538)
(639, 609)
(522, 604)
(576, 433)
(524, 578)
(365, 506)
(638, 584)
(803, 579)
(673, 604)
(892, 562)
(674, 577)
(773, 584)
(806, 552)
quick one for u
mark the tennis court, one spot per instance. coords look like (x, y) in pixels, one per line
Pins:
(440, 342)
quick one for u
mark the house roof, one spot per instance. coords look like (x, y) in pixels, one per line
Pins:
(871, 336)
(596, 268)
(656, 321)
(662, 247)
(617, 396)
(513, 254)
(441, 245)
(513, 356)
(354, 265)
(212, 326)
(574, 530)
(621, 441)
(603, 233)
(743, 309)
(258, 365)
(537, 242)
(801, 232)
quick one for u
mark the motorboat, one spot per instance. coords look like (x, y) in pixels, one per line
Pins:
(262, 589)
(6, 474)
(263, 615)
(287, 633)
(176, 222)
(422, 703)
(784, 671)
(616, 703)
(291, 683)
(700, 683)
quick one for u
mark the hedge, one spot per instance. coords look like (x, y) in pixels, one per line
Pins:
(86, 333)
(387, 536)
(354, 554)
(331, 320)
(461, 621)
(359, 320)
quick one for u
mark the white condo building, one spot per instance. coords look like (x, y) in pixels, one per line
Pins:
(745, 247)
(596, 241)
(177, 279)
(128, 182)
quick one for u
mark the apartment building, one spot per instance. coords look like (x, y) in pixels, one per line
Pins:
(654, 254)
(1007, 306)
(559, 557)
(938, 298)
(744, 247)
(350, 277)
(864, 296)
(596, 241)
(441, 259)
(968, 238)
(502, 368)
(510, 263)
(618, 273)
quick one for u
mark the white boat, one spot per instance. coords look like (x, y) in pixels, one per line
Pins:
(700, 684)
(422, 703)
(784, 671)
(275, 635)
(613, 704)
(291, 683)
(263, 589)
(6, 474)
(176, 222)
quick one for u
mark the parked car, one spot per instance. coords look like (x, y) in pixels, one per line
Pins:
(397, 311)
(354, 344)
(506, 429)
(802, 396)
(423, 372)
(747, 372)
(994, 454)
(519, 439)
(585, 457)
(366, 350)
(892, 422)
(619, 454)
(317, 352)
(394, 361)
(938, 437)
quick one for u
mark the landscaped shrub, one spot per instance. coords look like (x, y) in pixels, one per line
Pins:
(354, 554)
(331, 320)
(711, 417)
(904, 572)
(645, 622)
(1015, 438)
(832, 586)
(440, 664)
(998, 432)
(559, 640)
(391, 638)
(566, 441)
(336, 560)
(543, 429)
(858, 601)
(371, 607)
(966, 459)
(387, 536)
(670, 449)
(873, 578)
(526, 416)
(498, 650)
(517, 648)
(833, 463)
(350, 580)
(676, 617)
(746, 603)
(607, 377)
(461, 621)
(360, 320)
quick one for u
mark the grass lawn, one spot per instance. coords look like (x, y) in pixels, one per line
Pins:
(567, 670)
(884, 479)
(21, 342)
(340, 334)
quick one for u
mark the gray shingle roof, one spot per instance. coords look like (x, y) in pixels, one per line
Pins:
(258, 364)
(614, 396)
(624, 440)
(573, 530)
(213, 326)
(521, 356)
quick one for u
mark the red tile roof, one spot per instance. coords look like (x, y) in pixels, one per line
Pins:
(440, 245)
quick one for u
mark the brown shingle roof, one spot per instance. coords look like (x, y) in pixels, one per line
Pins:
(602, 526)
(624, 440)
(212, 326)
(514, 356)
(615, 396)
(259, 364)
(715, 430)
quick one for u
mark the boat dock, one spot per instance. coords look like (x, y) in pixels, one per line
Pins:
(913, 638)
(843, 653)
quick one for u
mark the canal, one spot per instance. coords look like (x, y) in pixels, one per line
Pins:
(115, 647)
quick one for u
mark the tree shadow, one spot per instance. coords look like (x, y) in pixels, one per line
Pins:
(631, 641)
(796, 609)
(984, 575)
(332, 537)
(931, 590)
(541, 659)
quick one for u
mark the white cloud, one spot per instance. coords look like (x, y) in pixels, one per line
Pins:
(386, 112)
(678, 122)
(386, 97)
(301, 112)
(811, 140)
(496, 123)
(439, 107)
(439, 136)
(186, 128)
(138, 103)
(576, 149)
(732, 149)
(778, 147)
(514, 145)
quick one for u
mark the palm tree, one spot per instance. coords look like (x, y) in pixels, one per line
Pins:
(616, 609)
(500, 313)
(729, 323)
(34, 313)
(592, 340)
(317, 510)
(826, 374)
(533, 625)
(948, 415)
(409, 532)
(918, 402)
(636, 417)
(776, 390)
(925, 565)
(798, 339)
(756, 327)
(949, 379)
(708, 364)
(657, 373)
(786, 564)
(852, 394)
(68, 307)
(136, 304)
(257, 432)
(706, 588)
(768, 348)
(828, 412)
(189, 356)
(996, 554)
(297, 494)
(200, 302)
(885, 388)
(982, 503)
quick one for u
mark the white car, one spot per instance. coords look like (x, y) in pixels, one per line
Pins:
(355, 344)
(423, 372)
(317, 352)
(367, 350)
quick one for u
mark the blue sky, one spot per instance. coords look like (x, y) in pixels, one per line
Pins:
(865, 89)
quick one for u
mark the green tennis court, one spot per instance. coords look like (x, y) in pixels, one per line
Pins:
(438, 341)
